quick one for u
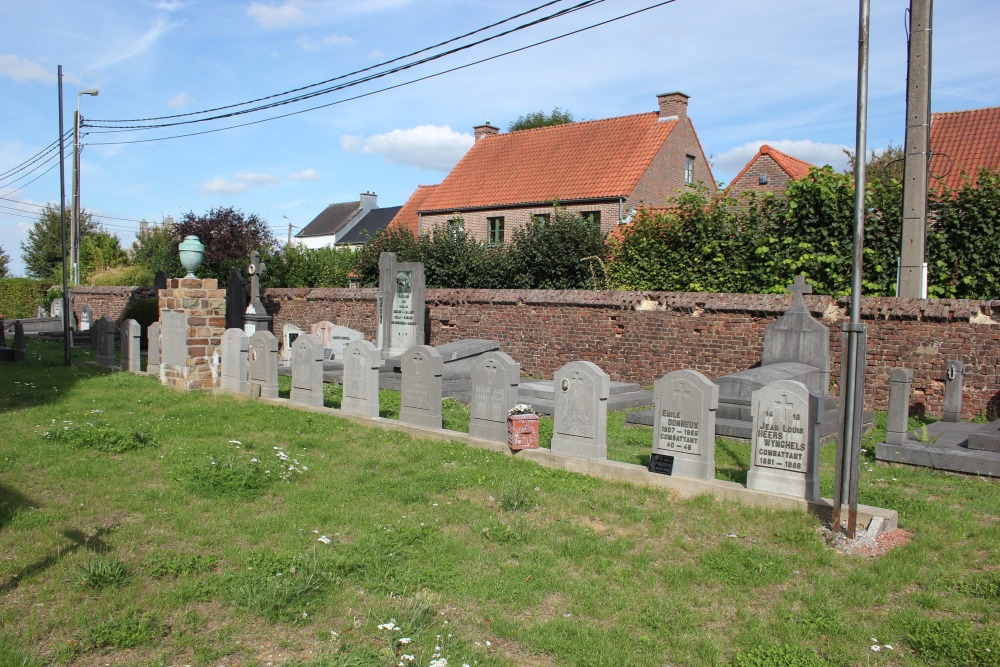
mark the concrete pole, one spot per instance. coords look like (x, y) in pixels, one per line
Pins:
(912, 263)
(74, 224)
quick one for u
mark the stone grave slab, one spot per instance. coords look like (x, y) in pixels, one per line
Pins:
(131, 338)
(262, 368)
(401, 305)
(494, 391)
(153, 349)
(784, 456)
(362, 362)
(684, 430)
(173, 339)
(307, 371)
(104, 340)
(235, 361)
(986, 438)
(898, 416)
(420, 397)
(948, 446)
(799, 337)
(580, 426)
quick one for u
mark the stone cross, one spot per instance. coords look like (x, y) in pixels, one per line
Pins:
(256, 318)
(255, 270)
(799, 287)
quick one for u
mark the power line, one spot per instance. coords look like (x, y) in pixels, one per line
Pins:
(54, 155)
(34, 158)
(21, 187)
(387, 88)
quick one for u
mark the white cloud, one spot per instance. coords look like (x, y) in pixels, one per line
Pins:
(332, 41)
(169, 5)
(305, 175)
(277, 16)
(242, 182)
(22, 70)
(817, 153)
(375, 54)
(431, 147)
(180, 100)
(256, 179)
(145, 42)
(222, 186)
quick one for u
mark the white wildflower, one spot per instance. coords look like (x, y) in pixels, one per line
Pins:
(324, 539)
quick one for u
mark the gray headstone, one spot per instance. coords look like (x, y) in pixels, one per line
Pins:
(173, 339)
(784, 456)
(20, 343)
(236, 300)
(898, 418)
(581, 411)
(684, 423)
(420, 397)
(401, 303)
(153, 349)
(104, 341)
(56, 308)
(954, 377)
(86, 317)
(131, 343)
(322, 332)
(797, 336)
(307, 371)
(495, 377)
(361, 367)
(263, 370)
(235, 361)
(289, 333)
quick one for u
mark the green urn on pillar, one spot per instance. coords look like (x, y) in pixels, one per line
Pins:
(192, 252)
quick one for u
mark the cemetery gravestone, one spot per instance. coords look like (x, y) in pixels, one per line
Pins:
(235, 361)
(785, 440)
(56, 308)
(340, 338)
(131, 339)
(153, 349)
(289, 333)
(236, 300)
(420, 397)
(104, 340)
(307, 371)
(361, 367)
(495, 377)
(954, 378)
(322, 331)
(401, 305)
(173, 338)
(256, 318)
(86, 317)
(263, 365)
(897, 424)
(581, 411)
(20, 343)
(684, 425)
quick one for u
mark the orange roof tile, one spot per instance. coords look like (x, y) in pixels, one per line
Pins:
(407, 216)
(963, 140)
(794, 167)
(588, 160)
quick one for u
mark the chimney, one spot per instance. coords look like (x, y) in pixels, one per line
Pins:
(485, 130)
(143, 227)
(369, 200)
(673, 106)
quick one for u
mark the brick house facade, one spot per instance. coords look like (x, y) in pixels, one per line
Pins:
(769, 170)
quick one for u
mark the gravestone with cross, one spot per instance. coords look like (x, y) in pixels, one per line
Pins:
(420, 395)
(362, 362)
(684, 425)
(784, 456)
(256, 318)
(495, 377)
(580, 419)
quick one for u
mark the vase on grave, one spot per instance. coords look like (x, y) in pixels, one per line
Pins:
(522, 431)
(192, 252)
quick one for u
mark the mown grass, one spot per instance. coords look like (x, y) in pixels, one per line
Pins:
(149, 555)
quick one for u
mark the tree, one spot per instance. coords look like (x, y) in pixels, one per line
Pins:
(884, 166)
(156, 250)
(100, 251)
(559, 253)
(43, 251)
(540, 119)
(4, 262)
(229, 236)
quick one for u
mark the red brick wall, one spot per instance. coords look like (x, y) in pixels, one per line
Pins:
(639, 336)
(110, 301)
(777, 179)
(664, 178)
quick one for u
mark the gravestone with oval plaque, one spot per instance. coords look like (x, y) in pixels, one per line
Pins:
(580, 419)
(784, 454)
(263, 365)
(684, 425)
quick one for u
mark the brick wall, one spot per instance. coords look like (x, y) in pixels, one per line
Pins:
(664, 178)
(639, 336)
(477, 227)
(110, 301)
(777, 179)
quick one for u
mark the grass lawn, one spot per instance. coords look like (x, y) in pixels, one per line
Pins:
(144, 526)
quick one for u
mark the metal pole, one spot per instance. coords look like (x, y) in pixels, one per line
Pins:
(62, 218)
(853, 354)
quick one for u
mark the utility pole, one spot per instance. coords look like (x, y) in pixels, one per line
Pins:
(912, 279)
(74, 232)
(67, 314)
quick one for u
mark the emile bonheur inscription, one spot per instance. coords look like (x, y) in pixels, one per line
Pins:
(781, 437)
(676, 432)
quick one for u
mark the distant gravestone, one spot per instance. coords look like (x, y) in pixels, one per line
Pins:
(56, 308)
(340, 338)
(954, 378)
(256, 317)
(263, 368)
(798, 337)
(236, 300)
(420, 397)
(495, 377)
(322, 332)
(307, 371)
(86, 317)
(235, 361)
(580, 426)
(289, 333)
(153, 349)
(684, 425)
(785, 440)
(401, 304)
(104, 341)
(361, 367)
(897, 423)
(131, 340)
(20, 343)
(41, 312)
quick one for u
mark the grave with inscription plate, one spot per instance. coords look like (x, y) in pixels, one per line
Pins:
(235, 361)
(495, 377)
(684, 427)
(262, 372)
(784, 455)
(104, 341)
(401, 293)
(289, 332)
(362, 362)
(580, 422)
(307, 371)
(420, 397)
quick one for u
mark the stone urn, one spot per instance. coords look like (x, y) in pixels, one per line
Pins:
(192, 252)
(522, 431)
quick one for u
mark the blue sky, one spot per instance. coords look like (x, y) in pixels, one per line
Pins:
(781, 72)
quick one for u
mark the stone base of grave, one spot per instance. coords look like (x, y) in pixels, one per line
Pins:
(540, 394)
(949, 446)
(192, 322)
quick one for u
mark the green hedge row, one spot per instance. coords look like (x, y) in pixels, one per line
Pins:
(20, 296)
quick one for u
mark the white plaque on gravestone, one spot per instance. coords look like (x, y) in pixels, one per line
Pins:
(785, 440)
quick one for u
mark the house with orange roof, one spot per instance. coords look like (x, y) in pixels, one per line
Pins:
(769, 170)
(602, 169)
(961, 143)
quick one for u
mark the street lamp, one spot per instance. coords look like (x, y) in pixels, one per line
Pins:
(74, 232)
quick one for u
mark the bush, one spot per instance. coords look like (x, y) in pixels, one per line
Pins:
(137, 276)
(560, 253)
(394, 238)
(298, 266)
(773, 655)
(20, 296)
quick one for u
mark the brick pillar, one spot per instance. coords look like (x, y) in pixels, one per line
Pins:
(192, 321)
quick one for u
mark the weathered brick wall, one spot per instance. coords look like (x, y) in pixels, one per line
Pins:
(203, 307)
(777, 179)
(110, 301)
(639, 336)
